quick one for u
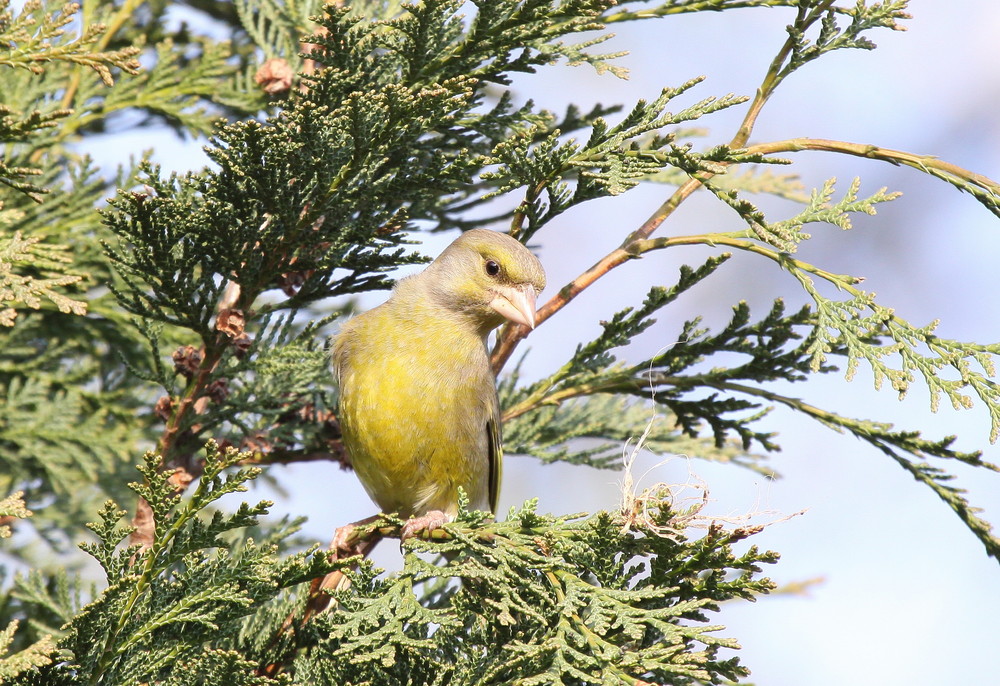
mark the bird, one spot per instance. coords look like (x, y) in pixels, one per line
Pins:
(418, 403)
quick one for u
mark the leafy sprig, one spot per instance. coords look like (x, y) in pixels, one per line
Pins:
(832, 35)
(787, 234)
(852, 323)
(38, 654)
(37, 38)
(614, 159)
(46, 267)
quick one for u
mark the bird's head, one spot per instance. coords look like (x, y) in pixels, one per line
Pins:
(489, 277)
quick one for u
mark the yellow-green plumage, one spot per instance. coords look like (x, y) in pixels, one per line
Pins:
(418, 401)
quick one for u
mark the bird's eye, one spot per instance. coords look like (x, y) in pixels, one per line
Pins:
(492, 267)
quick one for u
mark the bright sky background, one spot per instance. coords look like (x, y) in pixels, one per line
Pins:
(908, 595)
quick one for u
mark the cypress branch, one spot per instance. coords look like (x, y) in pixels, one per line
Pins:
(188, 312)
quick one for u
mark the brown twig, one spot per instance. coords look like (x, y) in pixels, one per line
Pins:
(185, 468)
(924, 163)
(319, 598)
(280, 456)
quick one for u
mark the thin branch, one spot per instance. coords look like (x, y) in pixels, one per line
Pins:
(986, 190)
(279, 456)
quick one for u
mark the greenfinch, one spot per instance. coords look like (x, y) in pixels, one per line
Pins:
(418, 400)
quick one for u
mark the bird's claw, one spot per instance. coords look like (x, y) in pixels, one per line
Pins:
(434, 519)
(345, 543)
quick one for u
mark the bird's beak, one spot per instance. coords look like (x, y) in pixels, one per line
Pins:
(516, 303)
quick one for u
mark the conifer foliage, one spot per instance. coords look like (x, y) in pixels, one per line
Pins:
(182, 317)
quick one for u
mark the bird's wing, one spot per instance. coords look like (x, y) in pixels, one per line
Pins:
(495, 445)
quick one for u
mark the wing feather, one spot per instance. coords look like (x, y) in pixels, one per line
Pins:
(495, 444)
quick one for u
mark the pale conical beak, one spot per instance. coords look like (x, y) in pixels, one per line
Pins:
(516, 303)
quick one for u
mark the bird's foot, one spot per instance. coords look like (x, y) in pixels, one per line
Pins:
(434, 519)
(344, 543)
